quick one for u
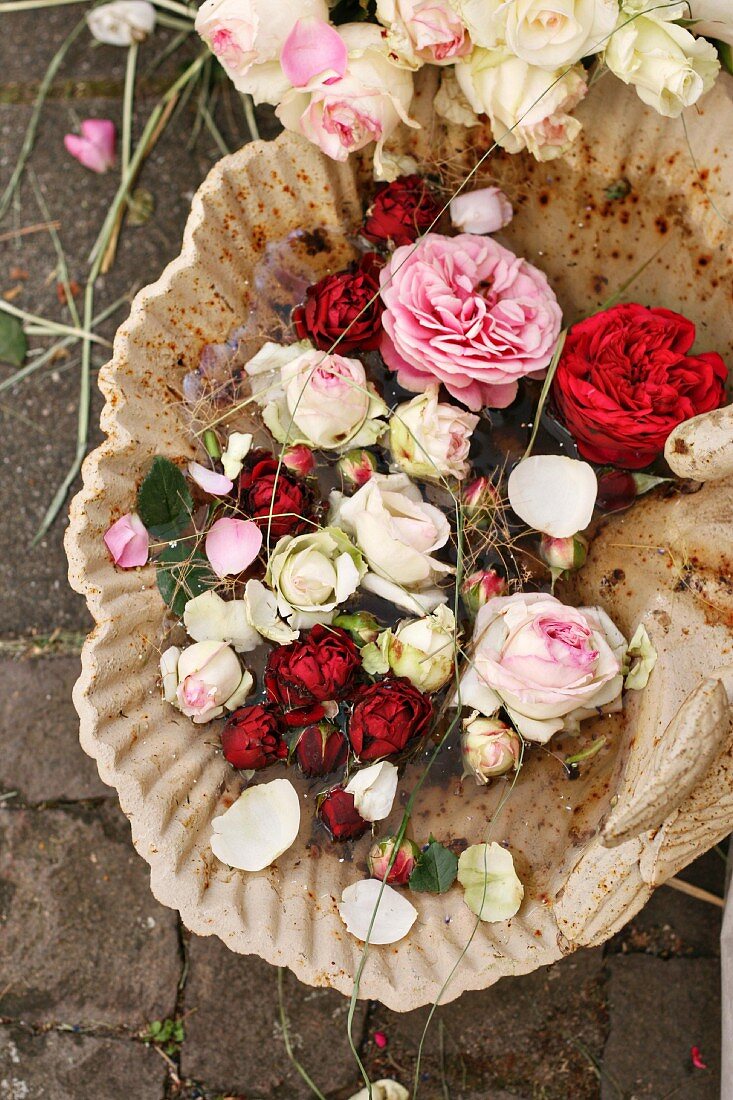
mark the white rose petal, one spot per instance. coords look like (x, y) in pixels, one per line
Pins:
(169, 672)
(492, 889)
(261, 605)
(554, 494)
(374, 789)
(394, 917)
(238, 447)
(122, 23)
(210, 618)
(259, 827)
(383, 1090)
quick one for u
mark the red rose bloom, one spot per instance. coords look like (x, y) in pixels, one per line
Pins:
(401, 211)
(388, 715)
(625, 380)
(264, 490)
(251, 738)
(319, 667)
(340, 816)
(321, 749)
(332, 304)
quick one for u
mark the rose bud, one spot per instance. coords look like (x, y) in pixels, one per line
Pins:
(343, 307)
(251, 738)
(386, 716)
(489, 748)
(480, 587)
(357, 467)
(480, 501)
(404, 863)
(362, 627)
(279, 502)
(321, 749)
(299, 459)
(320, 667)
(616, 490)
(422, 650)
(564, 555)
(340, 816)
(401, 212)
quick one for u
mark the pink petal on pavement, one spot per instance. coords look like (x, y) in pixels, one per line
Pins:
(127, 542)
(95, 148)
(232, 545)
(313, 48)
(217, 485)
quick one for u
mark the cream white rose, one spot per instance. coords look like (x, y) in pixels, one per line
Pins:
(247, 37)
(312, 574)
(529, 108)
(422, 650)
(715, 18)
(363, 106)
(431, 439)
(547, 33)
(424, 31)
(669, 68)
(547, 664)
(204, 680)
(122, 22)
(398, 532)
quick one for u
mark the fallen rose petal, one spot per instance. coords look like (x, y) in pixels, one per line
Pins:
(127, 541)
(313, 49)
(232, 545)
(491, 888)
(386, 1089)
(373, 789)
(553, 493)
(259, 827)
(380, 1039)
(122, 22)
(394, 918)
(209, 618)
(484, 211)
(216, 485)
(238, 447)
(95, 147)
(697, 1058)
(262, 614)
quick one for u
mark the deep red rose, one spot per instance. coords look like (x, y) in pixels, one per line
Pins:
(388, 715)
(332, 304)
(321, 666)
(263, 489)
(340, 816)
(251, 738)
(321, 749)
(401, 212)
(625, 380)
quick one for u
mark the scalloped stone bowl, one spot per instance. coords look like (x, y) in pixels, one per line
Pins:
(590, 852)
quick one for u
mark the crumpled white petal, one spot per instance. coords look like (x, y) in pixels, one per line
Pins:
(394, 917)
(261, 605)
(210, 618)
(237, 448)
(491, 887)
(374, 789)
(554, 494)
(259, 827)
(386, 1089)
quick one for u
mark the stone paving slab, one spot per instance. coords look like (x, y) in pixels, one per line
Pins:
(83, 939)
(41, 758)
(60, 1066)
(660, 1009)
(233, 1036)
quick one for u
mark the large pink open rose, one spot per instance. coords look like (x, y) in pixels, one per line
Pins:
(467, 312)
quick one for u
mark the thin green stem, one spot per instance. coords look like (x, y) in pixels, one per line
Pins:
(63, 268)
(248, 107)
(51, 326)
(285, 1028)
(127, 103)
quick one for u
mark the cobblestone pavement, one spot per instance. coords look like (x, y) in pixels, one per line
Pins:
(89, 960)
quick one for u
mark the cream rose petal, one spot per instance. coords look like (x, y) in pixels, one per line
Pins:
(554, 494)
(374, 789)
(169, 672)
(492, 889)
(210, 618)
(237, 448)
(258, 827)
(385, 1089)
(394, 918)
(261, 606)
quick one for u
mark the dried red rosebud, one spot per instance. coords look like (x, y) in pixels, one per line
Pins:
(277, 500)
(616, 490)
(403, 866)
(319, 667)
(346, 305)
(387, 715)
(321, 749)
(340, 816)
(401, 212)
(251, 738)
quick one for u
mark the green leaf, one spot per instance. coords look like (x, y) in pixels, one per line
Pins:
(182, 574)
(725, 53)
(436, 869)
(164, 503)
(13, 344)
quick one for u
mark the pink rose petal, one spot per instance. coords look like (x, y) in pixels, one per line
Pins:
(95, 148)
(217, 485)
(232, 545)
(313, 49)
(127, 542)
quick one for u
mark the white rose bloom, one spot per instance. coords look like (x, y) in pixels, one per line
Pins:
(422, 650)
(669, 68)
(551, 33)
(122, 23)
(529, 108)
(247, 36)
(397, 531)
(312, 574)
(430, 439)
(204, 680)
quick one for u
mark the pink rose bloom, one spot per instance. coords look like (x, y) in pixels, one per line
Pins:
(484, 211)
(424, 31)
(467, 312)
(547, 664)
(127, 542)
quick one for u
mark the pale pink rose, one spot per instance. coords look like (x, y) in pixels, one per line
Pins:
(484, 211)
(232, 545)
(467, 312)
(313, 49)
(366, 105)
(424, 31)
(547, 664)
(95, 147)
(127, 542)
(204, 679)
